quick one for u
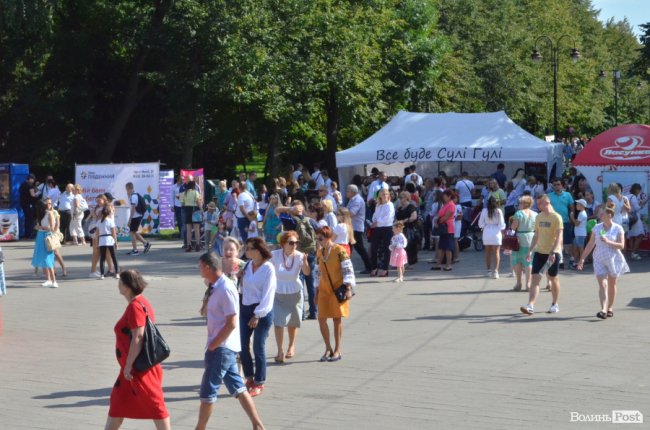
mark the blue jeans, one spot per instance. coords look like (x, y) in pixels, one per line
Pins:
(181, 227)
(259, 333)
(242, 226)
(220, 367)
(311, 288)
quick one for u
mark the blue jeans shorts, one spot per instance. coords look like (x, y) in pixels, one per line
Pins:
(220, 368)
(579, 241)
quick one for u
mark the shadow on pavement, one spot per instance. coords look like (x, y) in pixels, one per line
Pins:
(499, 318)
(640, 302)
(101, 396)
(185, 322)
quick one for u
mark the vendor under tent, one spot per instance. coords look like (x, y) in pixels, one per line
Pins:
(621, 155)
(451, 142)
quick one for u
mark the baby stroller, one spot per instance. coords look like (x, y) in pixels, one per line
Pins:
(471, 233)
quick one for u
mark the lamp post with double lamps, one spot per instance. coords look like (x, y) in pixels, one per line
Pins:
(617, 78)
(555, 66)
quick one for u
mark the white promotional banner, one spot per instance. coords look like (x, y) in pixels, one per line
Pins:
(101, 178)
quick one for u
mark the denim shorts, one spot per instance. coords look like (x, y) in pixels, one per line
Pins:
(220, 367)
(579, 241)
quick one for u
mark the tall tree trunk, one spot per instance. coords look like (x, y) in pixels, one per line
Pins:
(332, 111)
(272, 163)
(188, 148)
(134, 93)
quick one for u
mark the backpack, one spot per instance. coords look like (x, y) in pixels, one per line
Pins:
(306, 235)
(141, 207)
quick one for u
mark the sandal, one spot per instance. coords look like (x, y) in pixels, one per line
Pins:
(517, 288)
(602, 315)
(289, 354)
(279, 358)
(256, 390)
(610, 314)
(335, 357)
(326, 356)
(384, 274)
(373, 273)
(250, 383)
(447, 269)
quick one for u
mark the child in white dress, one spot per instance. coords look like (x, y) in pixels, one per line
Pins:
(397, 248)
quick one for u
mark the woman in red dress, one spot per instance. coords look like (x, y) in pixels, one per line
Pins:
(136, 394)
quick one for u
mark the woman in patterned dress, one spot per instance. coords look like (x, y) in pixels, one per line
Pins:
(608, 239)
(336, 269)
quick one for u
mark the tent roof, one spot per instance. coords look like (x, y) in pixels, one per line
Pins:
(625, 145)
(416, 137)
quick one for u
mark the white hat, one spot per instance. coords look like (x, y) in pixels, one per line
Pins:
(583, 202)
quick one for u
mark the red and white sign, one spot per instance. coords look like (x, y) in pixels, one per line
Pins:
(625, 145)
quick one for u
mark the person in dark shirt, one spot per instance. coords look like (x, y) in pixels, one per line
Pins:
(27, 193)
(500, 176)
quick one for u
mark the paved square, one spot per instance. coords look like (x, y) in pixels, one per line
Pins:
(443, 350)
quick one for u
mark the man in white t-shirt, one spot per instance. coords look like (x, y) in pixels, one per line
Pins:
(221, 307)
(317, 175)
(135, 219)
(377, 185)
(245, 204)
(464, 188)
(417, 180)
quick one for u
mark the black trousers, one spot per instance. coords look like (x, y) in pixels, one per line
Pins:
(66, 217)
(379, 252)
(102, 258)
(360, 247)
(412, 247)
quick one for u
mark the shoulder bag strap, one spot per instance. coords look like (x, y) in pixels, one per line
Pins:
(328, 275)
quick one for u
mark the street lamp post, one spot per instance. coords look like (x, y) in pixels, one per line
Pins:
(617, 79)
(555, 66)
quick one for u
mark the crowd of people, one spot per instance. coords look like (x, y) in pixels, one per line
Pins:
(267, 246)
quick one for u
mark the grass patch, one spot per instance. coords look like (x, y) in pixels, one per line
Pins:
(256, 164)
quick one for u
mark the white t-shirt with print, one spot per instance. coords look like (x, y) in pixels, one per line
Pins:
(105, 229)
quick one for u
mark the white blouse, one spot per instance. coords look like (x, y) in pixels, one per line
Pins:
(384, 215)
(341, 232)
(287, 271)
(259, 287)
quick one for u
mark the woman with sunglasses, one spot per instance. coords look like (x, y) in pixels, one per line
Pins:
(256, 314)
(336, 270)
(287, 305)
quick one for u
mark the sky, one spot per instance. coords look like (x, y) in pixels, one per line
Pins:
(636, 11)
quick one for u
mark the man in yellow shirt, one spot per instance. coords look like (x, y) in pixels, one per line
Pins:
(547, 245)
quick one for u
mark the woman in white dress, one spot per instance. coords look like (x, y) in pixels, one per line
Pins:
(492, 222)
(637, 230)
(608, 239)
(287, 305)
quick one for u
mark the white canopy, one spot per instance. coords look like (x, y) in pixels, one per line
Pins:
(450, 137)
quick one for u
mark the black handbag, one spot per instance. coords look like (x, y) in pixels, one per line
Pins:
(342, 293)
(154, 348)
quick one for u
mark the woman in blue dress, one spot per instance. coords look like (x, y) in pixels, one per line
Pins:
(272, 225)
(43, 258)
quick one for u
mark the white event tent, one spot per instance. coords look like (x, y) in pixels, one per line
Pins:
(475, 142)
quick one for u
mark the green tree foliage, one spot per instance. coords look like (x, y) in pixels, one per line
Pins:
(209, 83)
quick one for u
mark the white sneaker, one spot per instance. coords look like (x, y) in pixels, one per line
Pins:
(528, 310)
(489, 274)
(101, 276)
(495, 275)
(46, 284)
(554, 309)
(635, 256)
(54, 285)
(95, 274)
